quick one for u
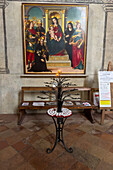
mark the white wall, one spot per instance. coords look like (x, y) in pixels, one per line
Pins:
(95, 43)
(109, 39)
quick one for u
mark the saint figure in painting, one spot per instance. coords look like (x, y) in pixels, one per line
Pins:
(77, 42)
(41, 55)
(56, 46)
(31, 41)
(68, 33)
(40, 30)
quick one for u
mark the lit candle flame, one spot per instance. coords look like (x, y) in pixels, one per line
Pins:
(57, 74)
(59, 71)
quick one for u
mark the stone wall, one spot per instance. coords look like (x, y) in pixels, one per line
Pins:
(11, 82)
(109, 39)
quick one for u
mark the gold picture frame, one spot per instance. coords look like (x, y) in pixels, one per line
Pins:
(54, 38)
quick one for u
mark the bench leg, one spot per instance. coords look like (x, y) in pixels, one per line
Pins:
(103, 116)
(89, 115)
(93, 120)
(21, 117)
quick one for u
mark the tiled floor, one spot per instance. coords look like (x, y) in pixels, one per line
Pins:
(24, 148)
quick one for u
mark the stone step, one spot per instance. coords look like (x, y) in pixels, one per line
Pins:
(59, 58)
(58, 63)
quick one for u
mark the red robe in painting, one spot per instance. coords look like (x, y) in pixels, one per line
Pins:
(77, 55)
(78, 49)
(30, 50)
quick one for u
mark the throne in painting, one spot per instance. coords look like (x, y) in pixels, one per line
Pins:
(57, 60)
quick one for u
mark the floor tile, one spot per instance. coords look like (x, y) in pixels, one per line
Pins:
(15, 162)
(97, 152)
(50, 138)
(71, 127)
(49, 157)
(11, 124)
(104, 144)
(104, 166)
(109, 158)
(18, 129)
(7, 133)
(111, 149)
(1, 138)
(85, 127)
(7, 153)
(25, 166)
(33, 138)
(43, 133)
(86, 158)
(94, 150)
(51, 128)
(3, 128)
(20, 146)
(84, 145)
(71, 138)
(63, 161)
(13, 139)
(89, 138)
(43, 144)
(79, 166)
(28, 153)
(28, 124)
(79, 132)
(107, 137)
(3, 144)
(38, 162)
(4, 165)
(25, 133)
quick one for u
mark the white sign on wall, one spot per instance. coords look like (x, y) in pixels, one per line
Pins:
(105, 78)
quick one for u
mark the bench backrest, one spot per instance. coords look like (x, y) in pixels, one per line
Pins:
(33, 89)
(38, 89)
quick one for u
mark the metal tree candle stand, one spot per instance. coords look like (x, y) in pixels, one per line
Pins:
(59, 121)
(59, 114)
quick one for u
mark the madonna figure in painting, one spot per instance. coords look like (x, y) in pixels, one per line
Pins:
(56, 46)
(77, 42)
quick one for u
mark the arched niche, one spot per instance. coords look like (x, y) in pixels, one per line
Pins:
(36, 11)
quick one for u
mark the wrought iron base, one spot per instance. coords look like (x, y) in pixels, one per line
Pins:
(59, 124)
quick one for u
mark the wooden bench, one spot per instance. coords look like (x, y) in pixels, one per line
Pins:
(43, 104)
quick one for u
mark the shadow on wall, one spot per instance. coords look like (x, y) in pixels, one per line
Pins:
(92, 80)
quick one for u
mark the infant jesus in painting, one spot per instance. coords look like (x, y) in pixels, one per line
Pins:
(52, 33)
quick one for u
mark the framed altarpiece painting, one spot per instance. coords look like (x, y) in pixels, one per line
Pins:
(54, 38)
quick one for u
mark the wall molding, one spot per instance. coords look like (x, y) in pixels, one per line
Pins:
(3, 3)
(54, 75)
(3, 71)
(70, 1)
(108, 7)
